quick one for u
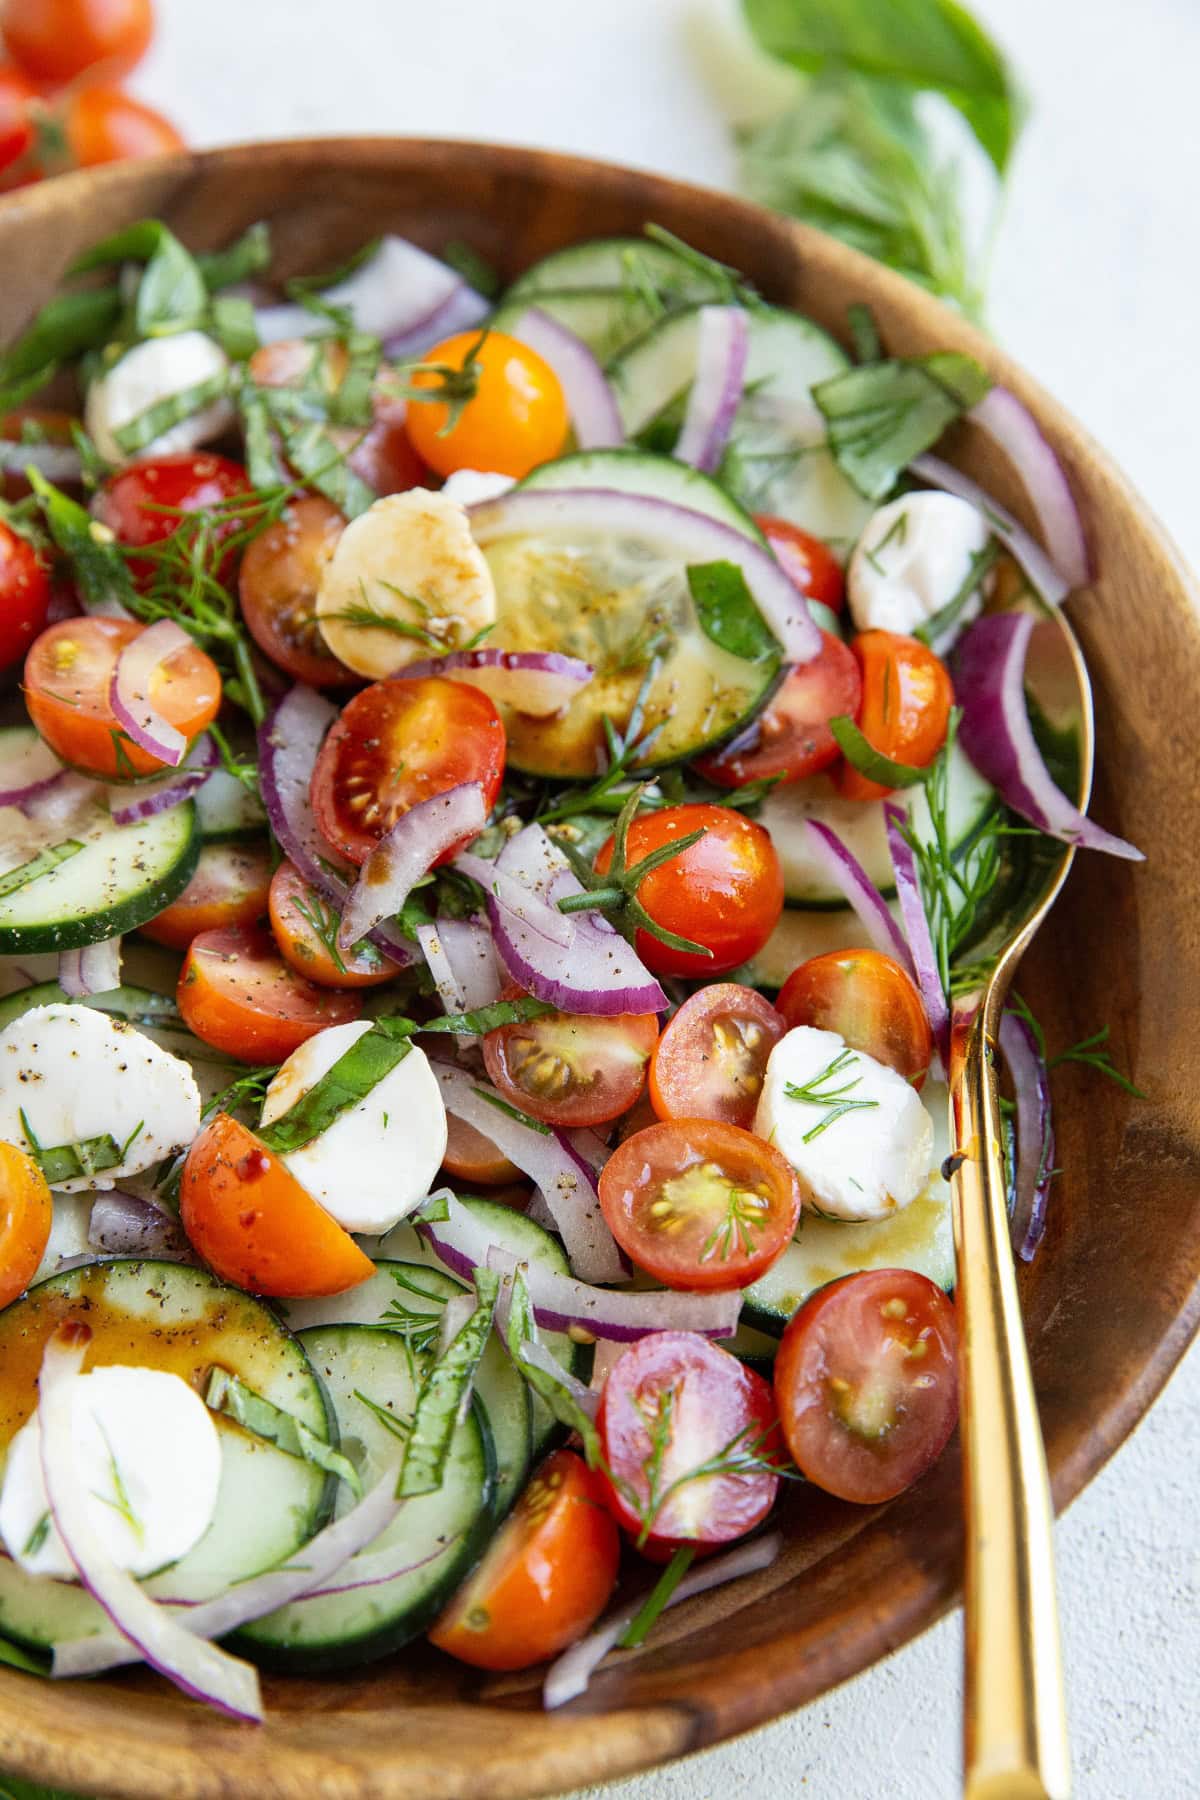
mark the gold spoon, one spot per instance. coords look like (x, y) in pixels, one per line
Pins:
(1015, 1727)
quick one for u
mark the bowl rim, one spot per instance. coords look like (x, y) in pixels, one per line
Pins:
(639, 1734)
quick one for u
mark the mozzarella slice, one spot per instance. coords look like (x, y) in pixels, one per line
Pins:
(911, 560)
(77, 1075)
(147, 1454)
(471, 486)
(154, 371)
(378, 1159)
(411, 559)
(865, 1164)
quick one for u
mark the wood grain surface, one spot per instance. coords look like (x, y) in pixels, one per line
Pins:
(1114, 1296)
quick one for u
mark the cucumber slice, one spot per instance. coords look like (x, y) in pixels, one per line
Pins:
(136, 1005)
(226, 810)
(622, 605)
(123, 876)
(860, 825)
(399, 1293)
(921, 1237)
(777, 461)
(607, 319)
(800, 933)
(623, 263)
(637, 472)
(168, 1316)
(437, 1537)
(512, 1231)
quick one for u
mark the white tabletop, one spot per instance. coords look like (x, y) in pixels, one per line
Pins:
(1095, 291)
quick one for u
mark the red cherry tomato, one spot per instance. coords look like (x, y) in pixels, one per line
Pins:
(725, 892)
(277, 585)
(571, 1068)
(906, 699)
(545, 1578)
(791, 736)
(68, 674)
(515, 418)
(399, 742)
(866, 1383)
(26, 1214)
(674, 1404)
(131, 503)
(230, 887)
(808, 560)
(869, 1000)
(471, 1157)
(16, 122)
(54, 40)
(710, 1060)
(24, 595)
(305, 927)
(105, 124)
(237, 993)
(700, 1204)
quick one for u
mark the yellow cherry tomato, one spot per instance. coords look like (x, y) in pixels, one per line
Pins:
(514, 415)
(26, 1208)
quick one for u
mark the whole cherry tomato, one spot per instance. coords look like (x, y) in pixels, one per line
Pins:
(514, 416)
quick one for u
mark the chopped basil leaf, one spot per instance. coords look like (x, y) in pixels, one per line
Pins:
(96, 562)
(350, 402)
(727, 613)
(946, 617)
(490, 1018)
(64, 328)
(171, 294)
(882, 415)
(863, 756)
(359, 1069)
(234, 327)
(512, 1112)
(72, 1162)
(313, 453)
(170, 411)
(475, 270)
(246, 256)
(263, 464)
(228, 1394)
(445, 1395)
(38, 865)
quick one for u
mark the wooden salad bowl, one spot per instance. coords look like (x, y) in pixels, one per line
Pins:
(1113, 1298)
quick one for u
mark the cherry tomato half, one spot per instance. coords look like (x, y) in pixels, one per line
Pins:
(26, 1211)
(255, 1225)
(237, 993)
(515, 418)
(471, 1157)
(710, 1060)
(571, 1068)
(230, 887)
(867, 999)
(806, 559)
(105, 124)
(906, 700)
(866, 1383)
(54, 40)
(68, 674)
(674, 1403)
(24, 595)
(700, 1204)
(305, 928)
(791, 736)
(381, 454)
(725, 892)
(132, 502)
(545, 1578)
(277, 585)
(399, 742)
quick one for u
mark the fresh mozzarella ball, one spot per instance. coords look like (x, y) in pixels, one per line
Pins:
(146, 1452)
(409, 557)
(868, 1163)
(154, 371)
(911, 560)
(76, 1075)
(378, 1159)
(471, 486)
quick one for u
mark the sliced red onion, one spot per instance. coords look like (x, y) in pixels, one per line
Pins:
(122, 1225)
(309, 1568)
(288, 742)
(722, 345)
(989, 682)
(445, 980)
(1034, 1133)
(590, 401)
(371, 1568)
(59, 463)
(567, 1678)
(916, 928)
(675, 530)
(398, 290)
(196, 1666)
(527, 910)
(144, 799)
(567, 1186)
(1010, 425)
(129, 691)
(843, 869)
(405, 853)
(537, 682)
(469, 951)
(27, 771)
(95, 970)
(60, 799)
(538, 1357)
(1049, 582)
(461, 312)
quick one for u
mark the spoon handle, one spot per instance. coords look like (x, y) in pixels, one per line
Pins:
(1015, 1723)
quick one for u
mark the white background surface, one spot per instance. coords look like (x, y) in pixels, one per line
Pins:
(1095, 291)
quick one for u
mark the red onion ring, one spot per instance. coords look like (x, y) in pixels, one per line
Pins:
(537, 682)
(129, 690)
(1012, 427)
(471, 955)
(617, 1313)
(847, 874)
(590, 400)
(722, 345)
(122, 1225)
(129, 805)
(405, 853)
(399, 292)
(94, 970)
(916, 929)
(989, 682)
(1034, 1133)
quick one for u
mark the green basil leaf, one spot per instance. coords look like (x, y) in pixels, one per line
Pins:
(171, 295)
(246, 256)
(228, 1394)
(357, 1070)
(863, 756)
(64, 328)
(490, 1018)
(38, 865)
(170, 411)
(134, 243)
(351, 401)
(314, 455)
(444, 1395)
(882, 415)
(96, 563)
(929, 44)
(263, 464)
(234, 327)
(727, 613)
